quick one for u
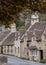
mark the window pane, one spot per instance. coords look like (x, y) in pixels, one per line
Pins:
(15, 49)
(33, 52)
(18, 49)
(11, 48)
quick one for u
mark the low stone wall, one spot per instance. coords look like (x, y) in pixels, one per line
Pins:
(1, 63)
(3, 59)
(9, 64)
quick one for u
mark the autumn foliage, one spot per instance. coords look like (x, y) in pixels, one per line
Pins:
(9, 9)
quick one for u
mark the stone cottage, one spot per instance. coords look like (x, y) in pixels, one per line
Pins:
(9, 41)
(33, 39)
(34, 44)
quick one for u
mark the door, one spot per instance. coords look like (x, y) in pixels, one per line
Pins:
(1, 49)
(41, 54)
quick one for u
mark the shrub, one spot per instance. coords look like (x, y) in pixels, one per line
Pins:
(19, 23)
(43, 61)
(3, 59)
(35, 60)
(25, 58)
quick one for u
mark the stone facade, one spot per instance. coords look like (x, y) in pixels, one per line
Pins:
(37, 53)
(24, 49)
(28, 43)
(10, 43)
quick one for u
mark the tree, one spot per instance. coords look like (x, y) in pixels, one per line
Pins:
(19, 23)
(9, 9)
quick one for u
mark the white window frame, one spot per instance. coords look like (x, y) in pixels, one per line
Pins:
(32, 52)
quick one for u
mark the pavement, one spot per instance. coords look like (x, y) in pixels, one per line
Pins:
(12, 60)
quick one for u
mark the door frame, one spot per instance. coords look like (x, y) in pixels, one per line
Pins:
(41, 54)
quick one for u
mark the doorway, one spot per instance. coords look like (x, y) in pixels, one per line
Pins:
(41, 54)
(1, 49)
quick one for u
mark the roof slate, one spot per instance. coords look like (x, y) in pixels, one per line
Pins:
(3, 35)
(9, 40)
(37, 29)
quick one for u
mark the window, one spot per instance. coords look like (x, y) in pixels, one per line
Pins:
(27, 44)
(7, 48)
(33, 52)
(18, 49)
(11, 48)
(27, 53)
(15, 49)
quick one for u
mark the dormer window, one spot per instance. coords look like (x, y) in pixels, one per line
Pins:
(38, 40)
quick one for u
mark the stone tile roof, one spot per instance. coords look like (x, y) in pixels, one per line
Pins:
(37, 35)
(29, 35)
(3, 34)
(36, 30)
(10, 40)
(22, 31)
(16, 35)
(39, 26)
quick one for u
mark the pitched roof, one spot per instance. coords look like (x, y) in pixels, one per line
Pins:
(37, 35)
(37, 29)
(3, 34)
(39, 26)
(9, 40)
(22, 31)
(29, 35)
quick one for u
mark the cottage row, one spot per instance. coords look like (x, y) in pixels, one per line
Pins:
(29, 42)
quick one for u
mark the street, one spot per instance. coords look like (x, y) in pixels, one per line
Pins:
(12, 60)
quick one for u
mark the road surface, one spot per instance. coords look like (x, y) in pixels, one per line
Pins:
(12, 60)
